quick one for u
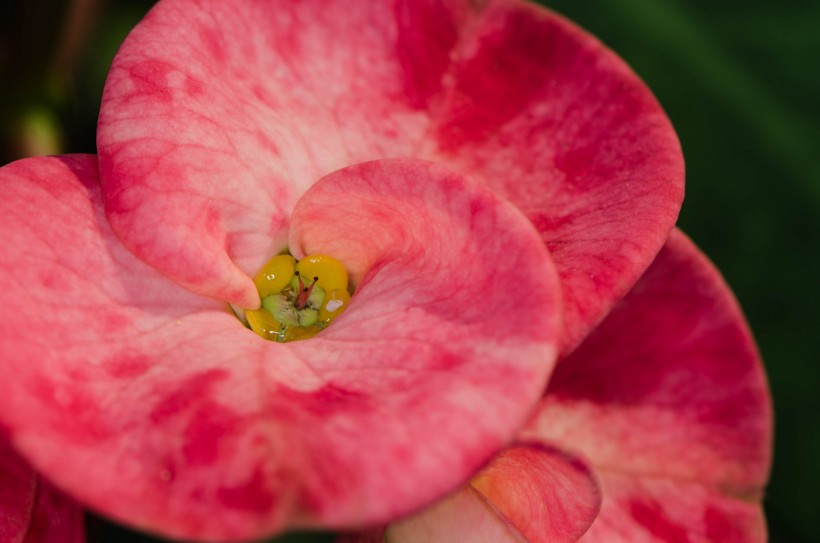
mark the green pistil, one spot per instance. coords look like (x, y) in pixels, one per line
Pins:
(298, 304)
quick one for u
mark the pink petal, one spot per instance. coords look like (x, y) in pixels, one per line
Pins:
(668, 401)
(548, 495)
(558, 124)
(670, 384)
(18, 492)
(529, 493)
(218, 115)
(197, 428)
(649, 510)
(31, 510)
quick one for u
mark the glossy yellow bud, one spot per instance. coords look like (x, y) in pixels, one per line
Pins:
(332, 275)
(263, 323)
(335, 303)
(275, 275)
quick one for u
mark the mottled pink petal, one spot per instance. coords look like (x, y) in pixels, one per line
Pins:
(558, 124)
(197, 428)
(217, 115)
(548, 495)
(31, 510)
(658, 510)
(668, 395)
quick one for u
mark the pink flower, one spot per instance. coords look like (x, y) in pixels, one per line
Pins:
(492, 178)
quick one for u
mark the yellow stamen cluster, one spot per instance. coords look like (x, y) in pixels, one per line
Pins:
(299, 299)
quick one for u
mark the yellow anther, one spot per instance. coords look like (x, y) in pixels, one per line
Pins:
(295, 333)
(332, 275)
(275, 275)
(263, 323)
(335, 302)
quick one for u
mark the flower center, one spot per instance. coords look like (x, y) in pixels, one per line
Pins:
(299, 299)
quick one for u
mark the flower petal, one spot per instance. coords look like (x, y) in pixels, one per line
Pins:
(18, 492)
(31, 510)
(670, 384)
(668, 401)
(447, 272)
(218, 115)
(548, 495)
(559, 125)
(651, 510)
(197, 428)
(529, 493)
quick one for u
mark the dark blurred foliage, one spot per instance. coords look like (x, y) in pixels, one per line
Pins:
(740, 81)
(54, 55)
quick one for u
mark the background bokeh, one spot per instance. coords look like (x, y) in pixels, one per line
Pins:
(741, 83)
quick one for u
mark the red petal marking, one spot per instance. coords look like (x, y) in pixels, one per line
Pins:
(651, 510)
(549, 496)
(670, 384)
(217, 115)
(197, 428)
(31, 510)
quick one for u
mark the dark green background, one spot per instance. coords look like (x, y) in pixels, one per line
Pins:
(740, 82)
